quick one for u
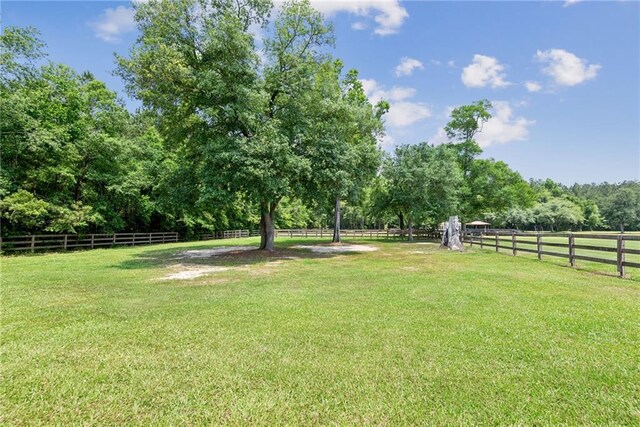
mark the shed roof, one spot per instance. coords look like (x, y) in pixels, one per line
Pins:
(478, 223)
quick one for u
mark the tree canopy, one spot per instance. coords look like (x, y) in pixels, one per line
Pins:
(234, 130)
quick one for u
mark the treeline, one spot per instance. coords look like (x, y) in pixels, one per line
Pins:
(235, 136)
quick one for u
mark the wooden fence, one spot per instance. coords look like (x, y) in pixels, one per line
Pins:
(42, 242)
(362, 233)
(613, 247)
(37, 242)
(229, 234)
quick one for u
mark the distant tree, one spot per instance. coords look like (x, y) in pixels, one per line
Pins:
(466, 121)
(342, 139)
(558, 214)
(623, 209)
(423, 183)
(492, 187)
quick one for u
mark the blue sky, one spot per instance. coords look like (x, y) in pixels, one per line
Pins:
(564, 77)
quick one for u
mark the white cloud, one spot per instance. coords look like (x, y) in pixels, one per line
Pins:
(376, 92)
(568, 3)
(113, 23)
(565, 68)
(484, 71)
(402, 113)
(451, 63)
(359, 26)
(407, 65)
(502, 127)
(388, 14)
(533, 86)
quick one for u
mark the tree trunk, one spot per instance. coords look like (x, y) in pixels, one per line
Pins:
(401, 218)
(410, 223)
(336, 222)
(267, 225)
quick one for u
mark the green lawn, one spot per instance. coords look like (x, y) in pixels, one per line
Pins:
(408, 334)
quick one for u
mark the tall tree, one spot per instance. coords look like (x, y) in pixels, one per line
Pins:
(466, 121)
(239, 123)
(492, 188)
(342, 138)
(423, 183)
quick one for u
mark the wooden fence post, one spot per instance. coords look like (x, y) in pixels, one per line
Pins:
(513, 244)
(481, 241)
(572, 251)
(65, 242)
(92, 240)
(114, 240)
(539, 244)
(497, 242)
(320, 232)
(620, 257)
(33, 243)
(150, 237)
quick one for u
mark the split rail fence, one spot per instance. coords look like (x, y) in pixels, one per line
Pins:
(598, 248)
(38, 242)
(43, 242)
(362, 233)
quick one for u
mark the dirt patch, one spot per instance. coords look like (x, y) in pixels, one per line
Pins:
(331, 249)
(192, 273)
(210, 253)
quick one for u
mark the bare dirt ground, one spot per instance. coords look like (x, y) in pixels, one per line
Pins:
(186, 273)
(331, 249)
(196, 263)
(209, 253)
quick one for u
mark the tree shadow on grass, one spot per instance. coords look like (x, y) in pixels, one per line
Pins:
(228, 255)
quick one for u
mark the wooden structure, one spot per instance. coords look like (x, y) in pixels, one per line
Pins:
(38, 242)
(477, 225)
(613, 248)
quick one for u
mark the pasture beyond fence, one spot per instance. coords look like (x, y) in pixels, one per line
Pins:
(598, 248)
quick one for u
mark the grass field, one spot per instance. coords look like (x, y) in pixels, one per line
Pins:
(407, 334)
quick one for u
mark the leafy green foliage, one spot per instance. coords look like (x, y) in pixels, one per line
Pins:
(230, 134)
(422, 183)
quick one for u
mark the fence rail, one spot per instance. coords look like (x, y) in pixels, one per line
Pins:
(229, 234)
(552, 244)
(38, 242)
(42, 242)
(361, 233)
